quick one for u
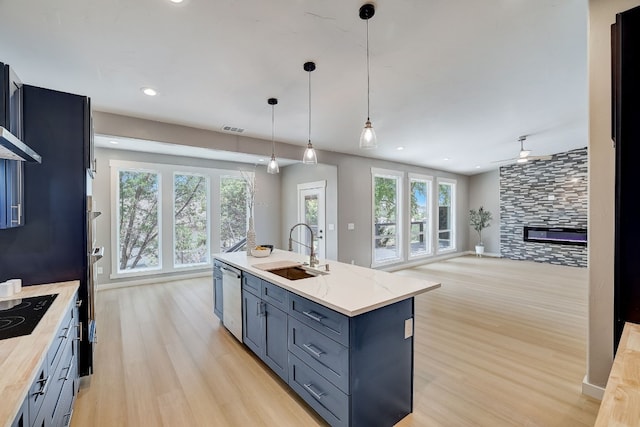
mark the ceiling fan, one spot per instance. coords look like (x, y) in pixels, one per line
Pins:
(525, 155)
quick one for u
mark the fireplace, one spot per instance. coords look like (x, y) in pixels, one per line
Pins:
(556, 235)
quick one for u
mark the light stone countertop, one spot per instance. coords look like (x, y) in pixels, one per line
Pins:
(21, 357)
(348, 289)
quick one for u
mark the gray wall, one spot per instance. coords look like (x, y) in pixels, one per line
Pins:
(267, 208)
(549, 193)
(484, 190)
(296, 174)
(354, 177)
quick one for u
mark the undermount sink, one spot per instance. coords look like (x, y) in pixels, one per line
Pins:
(295, 273)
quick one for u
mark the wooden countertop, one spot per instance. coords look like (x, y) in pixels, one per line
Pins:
(21, 357)
(347, 289)
(620, 405)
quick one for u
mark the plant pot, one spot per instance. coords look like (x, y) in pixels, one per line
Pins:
(479, 250)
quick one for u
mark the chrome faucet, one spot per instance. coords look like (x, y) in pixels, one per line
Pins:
(313, 259)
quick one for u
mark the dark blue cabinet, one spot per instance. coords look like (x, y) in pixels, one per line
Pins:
(217, 289)
(264, 322)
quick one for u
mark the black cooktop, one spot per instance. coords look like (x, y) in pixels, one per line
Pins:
(21, 316)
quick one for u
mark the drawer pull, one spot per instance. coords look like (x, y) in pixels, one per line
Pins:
(44, 385)
(313, 315)
(68, 368)
(313, 350)
(316, 394)
(66, 334)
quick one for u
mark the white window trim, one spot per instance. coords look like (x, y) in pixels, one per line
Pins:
(400, 215)
(430, 201)
(116, 168)
(454, 231)
(167, 170)
(173, 220)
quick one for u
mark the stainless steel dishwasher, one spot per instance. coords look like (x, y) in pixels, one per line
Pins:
(232, 300)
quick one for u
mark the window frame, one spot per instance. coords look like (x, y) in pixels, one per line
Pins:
(207, 182)
(399, 176)
(116, 214)
(453, 229)
(428, 233)
(166, 232)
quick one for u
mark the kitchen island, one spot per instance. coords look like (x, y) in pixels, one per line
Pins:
(342, 339)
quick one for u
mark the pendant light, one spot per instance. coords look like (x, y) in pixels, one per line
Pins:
(309, 157)
(368, 138)
(272, 167)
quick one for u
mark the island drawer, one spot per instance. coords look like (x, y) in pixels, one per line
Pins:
(331, 323)
(331, 403)
(275, 295)
(326, 356)
(251, 284)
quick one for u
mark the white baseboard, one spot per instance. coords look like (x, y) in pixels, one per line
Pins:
(592, 390)
(157, 279)
(422, 261)
(486, 254)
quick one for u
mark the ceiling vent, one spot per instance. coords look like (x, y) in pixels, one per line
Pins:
(232, 129)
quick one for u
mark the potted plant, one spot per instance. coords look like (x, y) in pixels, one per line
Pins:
(479, 220)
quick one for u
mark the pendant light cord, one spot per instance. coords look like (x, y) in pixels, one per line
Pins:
(273, 144)
(309, 106)
(367, 69)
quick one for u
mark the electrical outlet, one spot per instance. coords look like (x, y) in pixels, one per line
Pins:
(408, 328)
(99, 270)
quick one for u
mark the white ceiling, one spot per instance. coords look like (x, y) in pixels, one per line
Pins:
(449, 79)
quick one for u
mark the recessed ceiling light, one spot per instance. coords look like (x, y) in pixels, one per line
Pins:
(148, 91)
(446, 159)
(261, 160)
(477, 166)
(176, 1)
(400, 148)
(114, 142)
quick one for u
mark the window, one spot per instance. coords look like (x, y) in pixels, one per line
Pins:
(191, 219)
(233, 212)
(420, 213)
(387, 212)
(169, 218)
(138, 201)
(446, 217)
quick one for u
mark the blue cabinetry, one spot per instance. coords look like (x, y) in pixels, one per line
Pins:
(353, 371)
(50, 399)
(264, 322)
(217, 289)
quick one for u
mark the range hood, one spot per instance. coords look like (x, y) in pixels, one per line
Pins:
(14, 149)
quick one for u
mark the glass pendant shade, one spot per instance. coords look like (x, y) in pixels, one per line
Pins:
(310, 157)
(368, 136)
(272, 167)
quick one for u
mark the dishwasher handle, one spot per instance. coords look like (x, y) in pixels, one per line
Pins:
(231, 271)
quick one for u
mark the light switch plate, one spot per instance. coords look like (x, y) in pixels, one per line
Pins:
(408, 328)
(351, 226)
(331, 227)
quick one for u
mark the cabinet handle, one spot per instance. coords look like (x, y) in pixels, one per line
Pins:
(18, 207)
(44, 385)
(258, 303)
(79, 332)
(313, 350)
(313, 315)
(68, 368)
(317, 395)
(68, 422)
(66, 335)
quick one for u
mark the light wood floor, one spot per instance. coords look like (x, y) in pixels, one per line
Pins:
(502, 343)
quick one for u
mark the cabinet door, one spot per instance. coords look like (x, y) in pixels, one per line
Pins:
(252, 329)
(11, 173)
(275, 343)
(217, 293)
(22, 419)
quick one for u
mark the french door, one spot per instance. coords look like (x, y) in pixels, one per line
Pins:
(311, 211)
